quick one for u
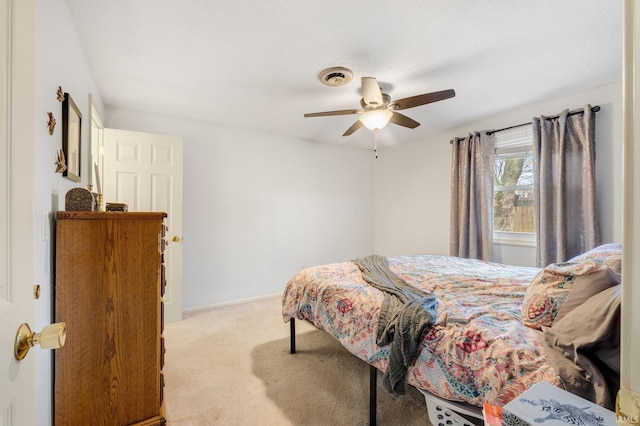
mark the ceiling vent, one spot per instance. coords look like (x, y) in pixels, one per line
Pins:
(335, 76)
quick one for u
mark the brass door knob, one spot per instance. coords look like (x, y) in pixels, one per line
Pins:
(52, 336)
(175, 239)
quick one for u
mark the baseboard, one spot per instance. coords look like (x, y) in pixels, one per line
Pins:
(230, 303)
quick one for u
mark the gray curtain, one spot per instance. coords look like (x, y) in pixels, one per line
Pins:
(564, 185)
(472, 196)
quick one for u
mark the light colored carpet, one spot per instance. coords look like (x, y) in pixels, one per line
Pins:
(232, 366)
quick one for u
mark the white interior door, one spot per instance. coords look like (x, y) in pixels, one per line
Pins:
(144, 171)
(17, 33)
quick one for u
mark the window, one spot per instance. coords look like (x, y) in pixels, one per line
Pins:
(513, 206)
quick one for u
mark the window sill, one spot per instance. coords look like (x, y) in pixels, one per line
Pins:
(523, 239)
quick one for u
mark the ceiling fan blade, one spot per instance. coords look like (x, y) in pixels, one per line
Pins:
(418, 100)
(339, 112)
(355, 126)
(371, 92)
(403, 120)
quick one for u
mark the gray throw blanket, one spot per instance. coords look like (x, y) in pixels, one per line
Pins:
(405, 316)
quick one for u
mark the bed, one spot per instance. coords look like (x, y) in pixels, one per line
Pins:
(492, 330)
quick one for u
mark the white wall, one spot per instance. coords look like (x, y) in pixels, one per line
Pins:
(412, 180)
(59, 62)
(258, 207)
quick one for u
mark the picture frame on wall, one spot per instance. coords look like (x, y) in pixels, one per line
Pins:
(71, 138)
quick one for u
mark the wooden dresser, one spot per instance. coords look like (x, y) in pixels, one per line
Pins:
(109, 287)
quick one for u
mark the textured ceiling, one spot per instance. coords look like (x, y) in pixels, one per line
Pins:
(255, 63)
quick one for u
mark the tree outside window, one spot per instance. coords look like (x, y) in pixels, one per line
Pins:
(513, 205)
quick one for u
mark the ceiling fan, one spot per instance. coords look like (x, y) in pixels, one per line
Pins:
(378, 109)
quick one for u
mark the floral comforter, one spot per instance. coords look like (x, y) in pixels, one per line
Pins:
(477, 351)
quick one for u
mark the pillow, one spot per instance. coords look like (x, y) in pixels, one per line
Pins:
(586, 286)
(584, 348)
(609, 254)
(550, 288)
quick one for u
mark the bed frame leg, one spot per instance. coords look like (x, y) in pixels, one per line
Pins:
(373, 376)
(292, 323)
(373, 389)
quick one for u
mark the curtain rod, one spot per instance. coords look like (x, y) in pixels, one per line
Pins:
(593, 109)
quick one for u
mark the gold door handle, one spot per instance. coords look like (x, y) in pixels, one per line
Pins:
(52, 336)
(175, 239)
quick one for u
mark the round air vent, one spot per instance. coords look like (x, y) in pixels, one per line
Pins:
(335, 76)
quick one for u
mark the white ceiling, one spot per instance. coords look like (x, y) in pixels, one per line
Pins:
(255, 64)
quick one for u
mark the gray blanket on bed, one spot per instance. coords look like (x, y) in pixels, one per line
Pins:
(405, 316)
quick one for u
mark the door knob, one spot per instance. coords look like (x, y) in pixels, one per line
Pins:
(52, 336)
(175, 239)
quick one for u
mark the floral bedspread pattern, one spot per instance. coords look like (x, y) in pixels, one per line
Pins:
(477, 351)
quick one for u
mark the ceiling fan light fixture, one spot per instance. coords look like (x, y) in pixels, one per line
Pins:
(376, 119)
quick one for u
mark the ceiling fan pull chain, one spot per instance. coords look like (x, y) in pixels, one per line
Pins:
(375, 142)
